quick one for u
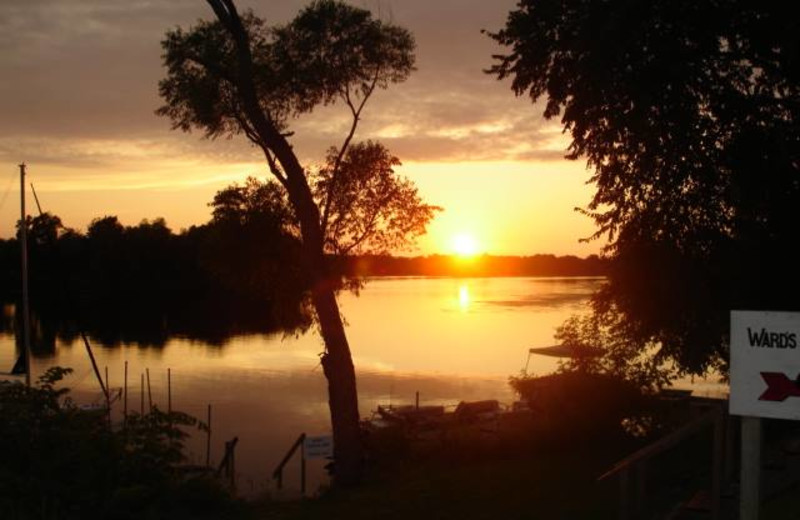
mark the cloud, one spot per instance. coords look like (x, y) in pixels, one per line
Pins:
(84, 74)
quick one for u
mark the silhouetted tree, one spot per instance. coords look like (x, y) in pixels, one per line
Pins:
(366, 206)
(255, 202)
(688, 114)
(45, 229)
(252, 245)
(238, 76)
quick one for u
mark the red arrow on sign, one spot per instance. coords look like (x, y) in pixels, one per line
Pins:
(779, 387)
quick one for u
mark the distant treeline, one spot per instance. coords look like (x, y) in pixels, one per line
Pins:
(478, 266)
(144, 283)
(238, 273)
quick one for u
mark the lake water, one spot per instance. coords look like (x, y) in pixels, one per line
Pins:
(448, 339)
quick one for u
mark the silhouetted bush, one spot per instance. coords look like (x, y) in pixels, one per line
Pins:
(60, 461)
(577, 405)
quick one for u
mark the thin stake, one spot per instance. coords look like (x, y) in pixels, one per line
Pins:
(169, 390)
(125, 396)
(36, 198)
(208, 437)
(94, 364)
(417, 407)
(149, 392)
(303, 468)
(108, 398)
(142, 394)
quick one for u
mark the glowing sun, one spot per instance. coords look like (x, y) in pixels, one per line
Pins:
(465, 245)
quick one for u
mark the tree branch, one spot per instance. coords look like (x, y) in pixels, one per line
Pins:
(338, 163)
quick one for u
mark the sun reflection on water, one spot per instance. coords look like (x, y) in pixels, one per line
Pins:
(463, 297)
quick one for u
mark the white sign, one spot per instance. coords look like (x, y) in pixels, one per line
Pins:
(318, 447)
(765, 364)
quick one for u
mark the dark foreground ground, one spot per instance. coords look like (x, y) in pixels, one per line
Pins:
(478, 475)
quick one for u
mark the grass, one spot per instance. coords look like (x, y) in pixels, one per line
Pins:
(518, 472)
(469, 478)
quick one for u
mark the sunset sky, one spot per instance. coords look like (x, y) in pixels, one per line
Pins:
(78, 88)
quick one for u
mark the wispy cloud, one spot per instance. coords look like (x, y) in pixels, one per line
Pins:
(83, 87)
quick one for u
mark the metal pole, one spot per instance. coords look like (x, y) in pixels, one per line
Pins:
(26, 318)
(750, 478)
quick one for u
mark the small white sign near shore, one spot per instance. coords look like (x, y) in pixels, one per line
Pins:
(318, 447)
(765, 364)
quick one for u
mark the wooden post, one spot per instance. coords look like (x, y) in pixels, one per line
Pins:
(149, 392)
(717, 464)
(208, 437)
(417, 401)
(94, 364)
(142, 395)
(730, 448)
(232, 464)
(624, 477)
(641, 485)
(169, 390)
(303, 467)
(750, 476)
(125, 397)
(108, 398)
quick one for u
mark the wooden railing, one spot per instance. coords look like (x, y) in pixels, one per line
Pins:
(278, 473)
(634, 466)
(228, 465)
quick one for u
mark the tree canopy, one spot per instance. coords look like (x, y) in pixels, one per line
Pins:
(330, 52)
(687, 112)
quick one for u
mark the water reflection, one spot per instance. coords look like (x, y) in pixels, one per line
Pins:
(463, 298)
(407, 335)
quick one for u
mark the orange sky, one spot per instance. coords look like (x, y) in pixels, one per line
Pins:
(79, 89)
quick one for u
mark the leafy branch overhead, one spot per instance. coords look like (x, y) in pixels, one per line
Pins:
(687, 113)
(678, 106)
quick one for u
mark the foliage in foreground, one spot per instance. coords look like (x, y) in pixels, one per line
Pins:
(60, 461)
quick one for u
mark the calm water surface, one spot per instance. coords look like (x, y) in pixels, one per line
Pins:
(449, 339)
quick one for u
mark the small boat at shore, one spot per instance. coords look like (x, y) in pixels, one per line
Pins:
(418, 418)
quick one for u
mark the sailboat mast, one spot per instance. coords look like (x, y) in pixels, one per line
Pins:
(36, 198)
(26, 320)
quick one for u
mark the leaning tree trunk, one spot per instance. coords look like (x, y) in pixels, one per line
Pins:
(337, 364)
